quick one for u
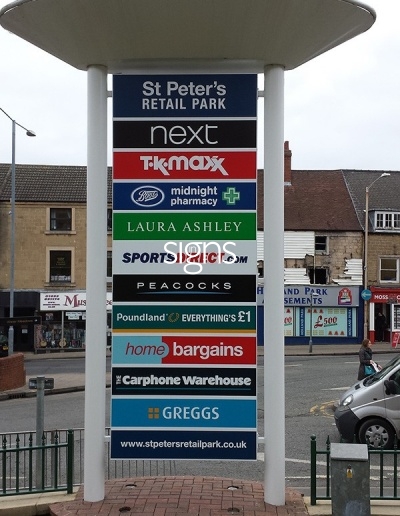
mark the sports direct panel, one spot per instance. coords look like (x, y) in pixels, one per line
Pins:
(209, 257)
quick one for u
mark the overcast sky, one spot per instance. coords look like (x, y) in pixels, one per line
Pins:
(342, 110)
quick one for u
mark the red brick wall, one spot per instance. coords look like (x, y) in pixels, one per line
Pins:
(287, 163)
(12, 372)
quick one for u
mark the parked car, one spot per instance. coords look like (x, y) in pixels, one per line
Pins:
(369, 412)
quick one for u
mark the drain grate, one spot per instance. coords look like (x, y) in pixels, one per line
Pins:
(17, 395)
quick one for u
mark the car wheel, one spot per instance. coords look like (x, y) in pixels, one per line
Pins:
(378, 433)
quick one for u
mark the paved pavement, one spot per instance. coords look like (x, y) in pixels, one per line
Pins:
(173, 496)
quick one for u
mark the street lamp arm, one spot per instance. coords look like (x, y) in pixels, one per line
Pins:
(367, 188)
(28, 131)
(7, 115)
(384, 174)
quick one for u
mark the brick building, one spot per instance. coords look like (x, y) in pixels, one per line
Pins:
(50, 254)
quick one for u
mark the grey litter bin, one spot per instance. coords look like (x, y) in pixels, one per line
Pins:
(350, 480)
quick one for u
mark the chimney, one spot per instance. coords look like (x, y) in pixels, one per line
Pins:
(287, 164)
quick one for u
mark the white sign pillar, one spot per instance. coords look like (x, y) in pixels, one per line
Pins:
(96, 285)
(274, 355)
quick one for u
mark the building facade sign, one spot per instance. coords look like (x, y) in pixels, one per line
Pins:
(322, 295)
(56, 301)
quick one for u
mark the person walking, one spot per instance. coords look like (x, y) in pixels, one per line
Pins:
(3, 344)
(380, 326)
(365, 356)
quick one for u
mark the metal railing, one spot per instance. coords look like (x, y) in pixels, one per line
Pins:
(19, 462)
(384, 486)
(39, 468)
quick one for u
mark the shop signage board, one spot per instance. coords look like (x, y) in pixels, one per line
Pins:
(197, 318)
(184, 173)
(223, 166)
(197, 196)
(183, 444)
(151, 257)
(142, 349)
(29, 319)
(178, 412)
(194, 134)
(382, 295)
(172, 226)
(187, 381)
(327, 296)
(192, 288)
(185, 95)
(56, 301)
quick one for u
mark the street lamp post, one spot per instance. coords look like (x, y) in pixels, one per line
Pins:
(310, 343)
(385, 174)
(12, 242)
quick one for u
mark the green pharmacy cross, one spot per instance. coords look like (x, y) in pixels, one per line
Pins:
(231, 195)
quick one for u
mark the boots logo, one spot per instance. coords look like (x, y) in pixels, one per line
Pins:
(146, 196)
(176, 163)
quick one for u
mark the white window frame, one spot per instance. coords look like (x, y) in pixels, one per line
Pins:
(321, 251)
(397, 260)
(387, 221)
(63, 248)
(48, 220)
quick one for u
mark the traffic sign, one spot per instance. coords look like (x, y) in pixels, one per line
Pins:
(366, 294)
(48, 383)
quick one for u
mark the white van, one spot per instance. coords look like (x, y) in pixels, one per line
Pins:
(369, 412)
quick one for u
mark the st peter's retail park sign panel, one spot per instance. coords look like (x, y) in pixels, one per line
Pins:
(184, 267)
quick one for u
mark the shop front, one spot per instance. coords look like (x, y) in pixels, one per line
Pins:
(384, 315)
(23, 321)
(329, 314)
(63, 324)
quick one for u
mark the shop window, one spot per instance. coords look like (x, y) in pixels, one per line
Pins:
(61, 219)
(60, 266)
(109, 266)
(260, 268)
(389, 270)
(321, 244)
(109, 219)
(55, 335)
